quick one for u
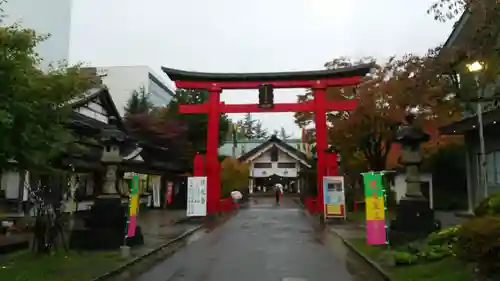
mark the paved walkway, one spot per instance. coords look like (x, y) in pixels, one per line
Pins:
(159, 227)
(263, 242)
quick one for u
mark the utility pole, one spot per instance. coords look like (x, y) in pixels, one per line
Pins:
(475, 68)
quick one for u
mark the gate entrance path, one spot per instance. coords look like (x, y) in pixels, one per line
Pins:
(215, 83)
(265, 243)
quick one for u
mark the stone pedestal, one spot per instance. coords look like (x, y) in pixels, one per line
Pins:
(105, 226)
(414, 217)
(414, 220)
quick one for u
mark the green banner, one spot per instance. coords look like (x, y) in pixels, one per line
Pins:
(134, 188)
(373, 184)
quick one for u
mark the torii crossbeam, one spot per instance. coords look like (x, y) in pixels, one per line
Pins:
(214, 83)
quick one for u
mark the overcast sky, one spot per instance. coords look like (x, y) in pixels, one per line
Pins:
(249, 36)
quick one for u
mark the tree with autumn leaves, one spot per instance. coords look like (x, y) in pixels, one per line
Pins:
(479, 40)
(182, 134)
(365, 135)
(234, 175)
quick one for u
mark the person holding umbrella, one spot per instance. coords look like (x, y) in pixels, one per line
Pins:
(278, 192)
(236, 196)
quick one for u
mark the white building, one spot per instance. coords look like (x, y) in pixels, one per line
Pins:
(45, 17)
(123, 80)
(275, 161)
(398, 185)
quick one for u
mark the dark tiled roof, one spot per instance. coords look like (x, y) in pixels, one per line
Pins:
(279, 142)
(358, 70)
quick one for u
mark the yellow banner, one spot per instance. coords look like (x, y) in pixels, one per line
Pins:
(375, 208)
(333, 209)
(134, 204)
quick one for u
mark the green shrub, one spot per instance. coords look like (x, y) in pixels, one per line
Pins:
(479, 241)
(447, 236)
(489, 206)
(436, 252)
(404, 258)
(437, 246)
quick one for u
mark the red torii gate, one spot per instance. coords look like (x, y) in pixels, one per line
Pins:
(214, 83)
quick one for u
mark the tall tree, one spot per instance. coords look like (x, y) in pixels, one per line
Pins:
(283, 134)
(138, 103)
(247, 126)
(34, 105)
(259, 132)
(478, 41)
(384, 97)
(196, 124)
(35, 109)
(157, 128)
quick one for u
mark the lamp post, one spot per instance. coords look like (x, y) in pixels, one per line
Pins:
(475, 68)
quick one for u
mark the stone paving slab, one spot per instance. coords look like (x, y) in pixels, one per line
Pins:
(158, 227)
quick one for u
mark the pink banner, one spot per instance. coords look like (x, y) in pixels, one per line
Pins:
(131, 226)
(375, 232)
(169, 193)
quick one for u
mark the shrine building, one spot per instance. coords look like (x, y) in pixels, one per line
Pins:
(271, 161)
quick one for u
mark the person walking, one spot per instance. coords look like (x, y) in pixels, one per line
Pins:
(278, 192)
(236, 196)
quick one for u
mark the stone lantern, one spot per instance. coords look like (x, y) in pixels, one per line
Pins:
(107, 220)
(414, 218)
(111, 139)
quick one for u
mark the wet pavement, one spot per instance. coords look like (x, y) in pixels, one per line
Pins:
(264, 242)
(159, 227)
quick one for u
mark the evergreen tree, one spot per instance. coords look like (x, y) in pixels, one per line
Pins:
(247, 126)
(283, 135)
(259, 132)
(138, 103)
(197, 124)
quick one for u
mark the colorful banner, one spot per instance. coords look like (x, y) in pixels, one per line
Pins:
(156, 182)
(133, 206)
(169, 193)
(375, 201)
(334, 197)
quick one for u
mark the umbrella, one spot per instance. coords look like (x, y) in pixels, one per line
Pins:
(236, 195)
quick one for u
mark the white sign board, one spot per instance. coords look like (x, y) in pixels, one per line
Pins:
(334, 196)
(156, 192)
(197, 197)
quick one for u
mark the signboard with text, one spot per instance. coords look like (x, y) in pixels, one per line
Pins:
(334, 197)
(197, 197)
(155, 182)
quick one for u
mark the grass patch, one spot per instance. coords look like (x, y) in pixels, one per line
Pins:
(71, 266)
(448, 269)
